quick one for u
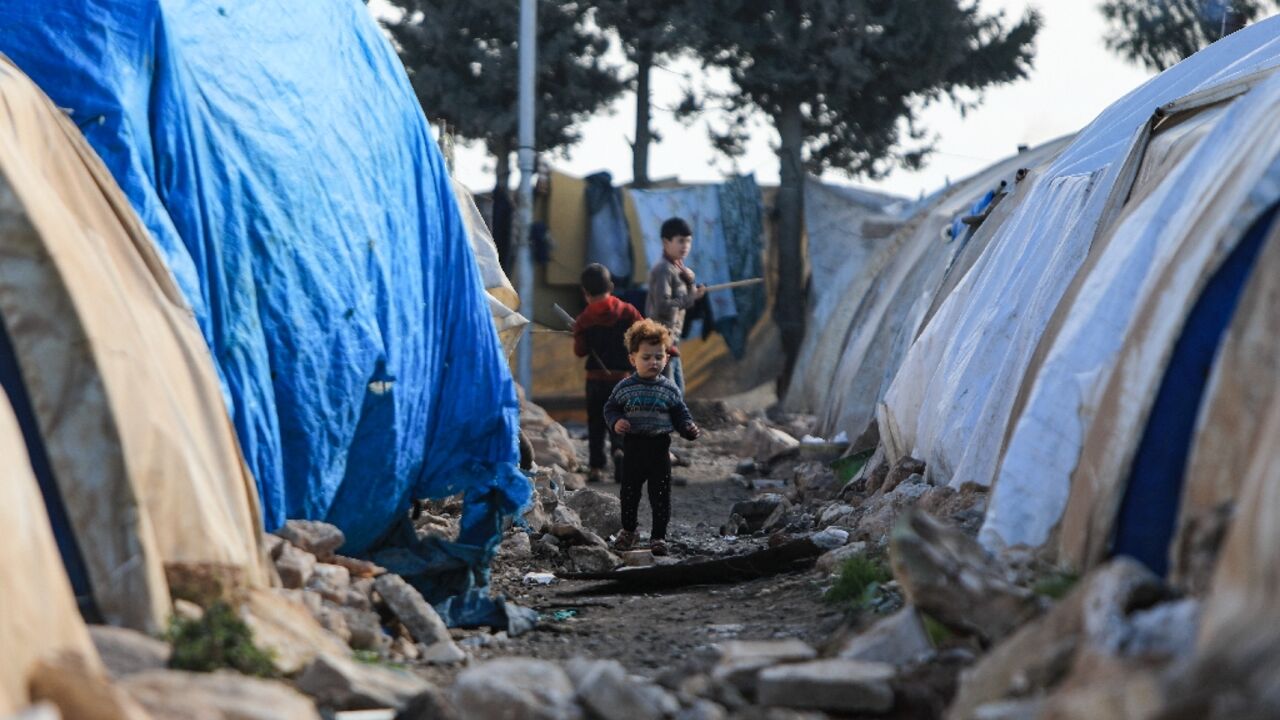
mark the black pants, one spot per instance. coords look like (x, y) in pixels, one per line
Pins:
(647, 459)
(597, 394)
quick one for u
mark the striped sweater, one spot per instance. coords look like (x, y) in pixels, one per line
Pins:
(653, 407)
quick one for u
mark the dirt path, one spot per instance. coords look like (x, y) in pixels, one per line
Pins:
(652, 632)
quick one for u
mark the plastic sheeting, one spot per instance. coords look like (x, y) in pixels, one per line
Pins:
(1187, 203)
(952, 400)
(38, 615)
(280, 159)
(503, 300)
(742, 220)
(112, 382)
(608, 238)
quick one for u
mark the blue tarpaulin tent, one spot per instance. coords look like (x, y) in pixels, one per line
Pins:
(278, 155)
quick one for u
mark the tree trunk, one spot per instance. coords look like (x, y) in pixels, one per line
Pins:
(789, 310)
(640, 151)
(500, 224)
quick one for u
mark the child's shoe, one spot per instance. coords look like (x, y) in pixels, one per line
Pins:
(595, 475)
(624, 541)
(658, 548)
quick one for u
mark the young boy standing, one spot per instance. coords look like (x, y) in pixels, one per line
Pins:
(645, 409)
(598, 336)
(672, 291)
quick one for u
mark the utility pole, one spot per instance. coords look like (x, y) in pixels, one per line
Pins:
(524, 200)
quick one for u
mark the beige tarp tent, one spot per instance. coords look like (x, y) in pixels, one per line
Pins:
(38, 615)
(120, 379)
(503, 300)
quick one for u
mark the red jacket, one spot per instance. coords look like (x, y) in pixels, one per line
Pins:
(598, 336)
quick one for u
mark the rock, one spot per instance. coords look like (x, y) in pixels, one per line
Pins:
(366, 630)
(127, 652)
(341, 684)
(741, 660)
(746, 467)
(81, 691)
(408, 605)
(221, 695)
(565, 515)
(848, 686)
(600, 512)
(205, 583)
(295, 567)
(547, 546)
(767, 484)
(834, 513)
(551, 442)
(637, 558)
(538, 514)
(273, 545)
(516, 546)
(331, 581)
(830, 538)
(1024, 709)
(577, 481)
(515, 689)
(571, 534)
(897, 640)
(946, 574)
(287, 628)
(1163, 632)
(441, 653)
(815, 480)
(1041, 653)
(360, 596)
(331, 617)
(607, 693)
(762, 513)
(187, 610)
(432, 704)
(763, 442)
(830, 562)
(405, 648)
(318, 538)
(593, 558)
(903, 469)
(358, 569)
(702, 709)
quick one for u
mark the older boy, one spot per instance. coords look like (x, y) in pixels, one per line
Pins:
(598, 336)
(672, 290)
(645, 409)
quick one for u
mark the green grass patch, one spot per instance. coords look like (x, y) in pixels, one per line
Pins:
(219, 639)
(858, 583)
(1055, 586)
(847, 467)
(935, 630)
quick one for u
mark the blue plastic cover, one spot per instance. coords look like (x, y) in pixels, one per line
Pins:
(278, 155)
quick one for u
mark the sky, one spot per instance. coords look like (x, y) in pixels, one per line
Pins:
(1073, 79)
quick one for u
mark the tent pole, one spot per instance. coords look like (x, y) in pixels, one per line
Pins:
(524, 200)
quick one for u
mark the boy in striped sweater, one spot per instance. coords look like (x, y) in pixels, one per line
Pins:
(645, 409)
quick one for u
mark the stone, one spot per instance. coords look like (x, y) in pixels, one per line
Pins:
(899, 639)
(516, 546)
(408, 605)
(340, 684)
(816, 480)
(318, 538)
(831, 561)
(538, 514)
(551, 442)
(1022, 709)
(360, 596)
(205, 583)
(746, 466)
(331, 581)
(948, 575)
(127, 652)
(1163, 632)
(187, 610)
(637, 558)
(608, 693)
(565, 515)
(295, 566)
(901, 470)
(741, 660)
(834, 513)
(81, 691)
(39, 711)
(515, 689)
(847, 686)
(331, 617)
(600, 512)
(356, 568)
(1042, 652)
(593, 558)
(273, 545)
(767, 484)
(286, 627)
(366, 630)
(764, 512)
(830, 538)
(702, 709)
(222, 695)
(433, 704)
(547, 546)
(441, 653)
(405, 648)
(762, 442)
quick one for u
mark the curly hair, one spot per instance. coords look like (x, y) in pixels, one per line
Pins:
(646, 331)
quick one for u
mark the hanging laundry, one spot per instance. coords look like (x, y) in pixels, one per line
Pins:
(741, 216)
(608, 239)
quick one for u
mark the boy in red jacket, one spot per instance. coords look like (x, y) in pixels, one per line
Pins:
(598, 336)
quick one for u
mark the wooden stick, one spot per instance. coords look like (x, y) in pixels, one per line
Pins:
(733, 284)
(568, 320)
